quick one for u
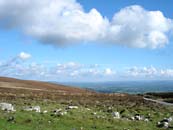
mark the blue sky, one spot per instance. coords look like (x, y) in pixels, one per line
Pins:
(88, 40)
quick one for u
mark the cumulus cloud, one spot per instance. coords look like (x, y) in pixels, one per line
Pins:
(82, 71)
(60, 22)
(24, 56)
(13, 66)
(167, 72)
(72, 71)
(149, 73)
(108, 71)
(136, 27)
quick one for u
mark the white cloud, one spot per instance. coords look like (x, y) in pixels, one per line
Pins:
(60, 22)
(72, 71)
(167, 72)
(134, 26)
(24, 56)
(108, 71)
(68, 66)
(142, 72)
(149, 73)
(77, 70)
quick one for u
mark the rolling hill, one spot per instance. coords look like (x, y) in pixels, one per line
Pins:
(92, 110)
(16, 88)
(11, 89)
(36, 85)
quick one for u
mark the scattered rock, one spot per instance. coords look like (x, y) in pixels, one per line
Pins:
(6, 107)
(36, 108)
(146, 120)
(132, 118)
(72, 107)
(45, 111)
(165, 123)
(59, 112)
(10, 119)
(138, 117)
(116, 115)
(94, 113)
(170, 119)
(33, 108)
(88, 109)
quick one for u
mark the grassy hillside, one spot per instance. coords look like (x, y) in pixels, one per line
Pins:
(94, 111)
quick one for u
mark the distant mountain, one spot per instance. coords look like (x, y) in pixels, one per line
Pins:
(131, 87)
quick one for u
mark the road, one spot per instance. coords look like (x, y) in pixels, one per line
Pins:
(159, 102)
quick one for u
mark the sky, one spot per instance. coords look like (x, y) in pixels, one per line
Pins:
(93, 40)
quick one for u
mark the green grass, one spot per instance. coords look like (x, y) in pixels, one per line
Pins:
(79, 119)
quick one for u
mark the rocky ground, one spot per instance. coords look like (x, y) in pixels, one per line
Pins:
(32, 105)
